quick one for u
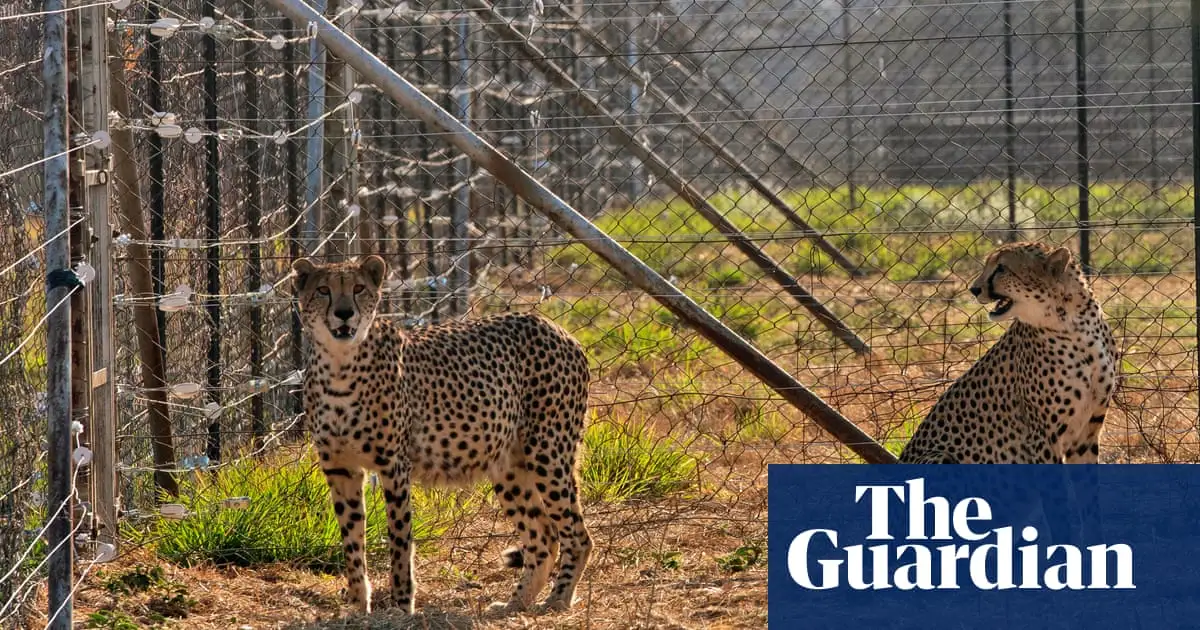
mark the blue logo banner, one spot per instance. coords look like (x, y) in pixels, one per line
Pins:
(981, 547)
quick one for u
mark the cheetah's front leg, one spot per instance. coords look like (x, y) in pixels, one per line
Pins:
(346, 491)
(397, 491)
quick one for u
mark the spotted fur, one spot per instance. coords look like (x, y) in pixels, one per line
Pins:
(1040, 394)
(501, 398)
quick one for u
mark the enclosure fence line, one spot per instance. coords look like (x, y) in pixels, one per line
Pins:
(214, 390)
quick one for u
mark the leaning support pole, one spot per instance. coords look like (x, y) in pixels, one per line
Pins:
(417, 104)
(663, 171)
(740, 168)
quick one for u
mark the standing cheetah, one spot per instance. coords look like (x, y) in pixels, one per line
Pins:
(502, 398)
(1040, 394)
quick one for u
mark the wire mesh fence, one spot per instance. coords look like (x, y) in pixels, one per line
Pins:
(825, 178)
(23, 308)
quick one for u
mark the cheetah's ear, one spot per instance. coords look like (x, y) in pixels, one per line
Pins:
(302, 268)
(375, 268)
(1058, 260)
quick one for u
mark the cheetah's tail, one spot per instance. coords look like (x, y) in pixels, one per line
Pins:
(512, 558)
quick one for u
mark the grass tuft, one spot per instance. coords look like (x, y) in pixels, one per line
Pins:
(625, 462)
(289, 518)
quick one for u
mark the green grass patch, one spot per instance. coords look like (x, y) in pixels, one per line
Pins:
(289, 518)
(625, 462)
(906, 233)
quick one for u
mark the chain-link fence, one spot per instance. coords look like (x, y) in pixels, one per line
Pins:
(825, 178)
(22, 311)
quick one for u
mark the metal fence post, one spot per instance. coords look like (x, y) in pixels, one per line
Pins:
(95, 106)
(212, 233)
(342, 159)
(460, 205)
(847, 85)
(425, 188)
(157, 181)
(1081, 131)
(1195, 37)
(59, 287)
(1010, 126)
(295, 205)
(80, 305)
(633, 117)
(314, 156)
(253, 157)
(1152, 96)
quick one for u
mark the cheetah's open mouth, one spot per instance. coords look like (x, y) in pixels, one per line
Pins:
(342, 332)
(1003, 305)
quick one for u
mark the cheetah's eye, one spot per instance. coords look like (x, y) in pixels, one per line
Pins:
(323, 290)
(359, 288)
(999, 268)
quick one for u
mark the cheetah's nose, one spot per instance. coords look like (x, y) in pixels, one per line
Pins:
(343, 314)
(976, 291)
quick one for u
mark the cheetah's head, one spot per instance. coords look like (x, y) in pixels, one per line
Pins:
(1032, 283)
(338, 300)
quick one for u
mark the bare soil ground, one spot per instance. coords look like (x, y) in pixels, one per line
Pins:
(654, 569)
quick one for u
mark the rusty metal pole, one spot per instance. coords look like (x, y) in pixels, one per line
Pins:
(416, 103)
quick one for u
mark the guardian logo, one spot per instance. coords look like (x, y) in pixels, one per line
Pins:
(990, 557)
(914, 546)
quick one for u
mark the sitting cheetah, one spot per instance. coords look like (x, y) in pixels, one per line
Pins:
(1040, 394)
(502, 398)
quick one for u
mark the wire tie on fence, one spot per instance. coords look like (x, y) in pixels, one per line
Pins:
(60, 278)
(312, 30)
